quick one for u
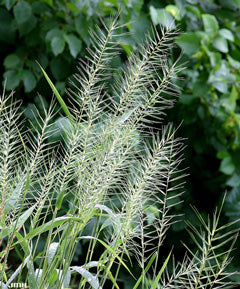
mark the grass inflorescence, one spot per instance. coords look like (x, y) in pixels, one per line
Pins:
(110, 185)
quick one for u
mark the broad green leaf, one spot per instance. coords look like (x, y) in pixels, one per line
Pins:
(9, 3)
(154, 15)
(29, 80)
(222, 154)
(82, 24)
(12, 79)
(193, 2)
(204, 38)
(227, 166)
(43, 60)
(61, 87)
(174, 11)
(40, 8)
(74, 44)
(237, 3)
(49, 2)
(38, 274)
(67, 279)
(7, 28)
(225, 72)
(53, 278)
(201, 113)
(72, 7)
(219, 81)
(27, 26)
(187, 99)
(221, 86)
(233, 62)
(189, 42)
(161, 16)
(234, 181)
(233, 97)
(60, 68)
(229, 101)
(210, 24)
(57, 45)
(12, 61)
(62, 103)
(232, 204)
(227, 34)
(194, 10)
(200, 87)
(51, 251)
(90, 278)
(134, 4)
(93, 264)
(128, 48)
(140, 25)
(55, 32)
(221, 44)
(22, 11)
(215, 59)
(56, 275)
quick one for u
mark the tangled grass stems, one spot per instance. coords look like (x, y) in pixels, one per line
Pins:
(105, 174)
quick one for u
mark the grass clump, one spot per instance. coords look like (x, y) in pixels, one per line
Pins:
(97, 186)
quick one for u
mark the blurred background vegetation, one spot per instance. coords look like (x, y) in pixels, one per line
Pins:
(55, 33)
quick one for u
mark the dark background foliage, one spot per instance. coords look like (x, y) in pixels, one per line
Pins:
(55, 33)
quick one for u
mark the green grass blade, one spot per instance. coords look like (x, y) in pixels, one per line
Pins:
(111, 277)
(109, 249)
(88, 276)
(146, 269)
(49, 225)
(61, 101)
(155, 283)
(22, 219)
(25, 246)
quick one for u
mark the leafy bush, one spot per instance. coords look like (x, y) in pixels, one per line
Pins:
(99, 183)
(212, 87)
(209, 104)
(54, 33)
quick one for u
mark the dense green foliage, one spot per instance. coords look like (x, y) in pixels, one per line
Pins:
(55, 33)
(210, 103)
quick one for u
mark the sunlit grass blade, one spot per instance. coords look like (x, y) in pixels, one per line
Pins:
(57, 94)
(146, 270)
(156, 281)
(110, 250)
